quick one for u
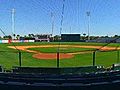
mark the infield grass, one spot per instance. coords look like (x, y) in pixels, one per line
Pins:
(61, 49)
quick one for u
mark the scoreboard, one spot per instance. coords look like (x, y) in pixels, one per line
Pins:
(70, 37)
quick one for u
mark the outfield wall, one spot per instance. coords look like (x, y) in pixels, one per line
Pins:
(15, 41)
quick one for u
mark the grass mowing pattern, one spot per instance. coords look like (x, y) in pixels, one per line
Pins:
(62, 50)
(9, 57)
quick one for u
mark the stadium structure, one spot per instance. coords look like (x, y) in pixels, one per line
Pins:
(42, 37)
(78, 78)
(60, 78)
(91, 77)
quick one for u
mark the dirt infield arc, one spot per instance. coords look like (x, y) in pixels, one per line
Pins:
(40, 55)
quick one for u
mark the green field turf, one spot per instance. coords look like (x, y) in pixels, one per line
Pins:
(9, 57)
(61, 50)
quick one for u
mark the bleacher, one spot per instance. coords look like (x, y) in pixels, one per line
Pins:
(76, 78)
(67, 70)
(78, 81)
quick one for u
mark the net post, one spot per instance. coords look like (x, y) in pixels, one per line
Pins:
(58, 59)
(118, 56)
(20, 61)
(94, 54)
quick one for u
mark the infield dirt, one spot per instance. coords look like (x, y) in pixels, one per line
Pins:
(46, 56)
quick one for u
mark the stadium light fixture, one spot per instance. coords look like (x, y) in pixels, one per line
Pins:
(88, 15)
(13, 22)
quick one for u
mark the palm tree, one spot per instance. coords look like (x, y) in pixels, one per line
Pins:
(14, 35)
(84, 35)
(18, 36)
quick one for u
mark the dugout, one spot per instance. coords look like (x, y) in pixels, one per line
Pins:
(70, 37)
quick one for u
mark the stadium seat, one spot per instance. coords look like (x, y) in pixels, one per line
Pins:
(66, 70)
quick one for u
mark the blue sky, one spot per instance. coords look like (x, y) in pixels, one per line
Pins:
(34, 16)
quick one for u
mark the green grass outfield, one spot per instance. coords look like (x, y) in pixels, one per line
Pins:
(9, 57)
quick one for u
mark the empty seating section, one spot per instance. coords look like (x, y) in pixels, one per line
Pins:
(91, 80)
(68, 70)
(78, 78)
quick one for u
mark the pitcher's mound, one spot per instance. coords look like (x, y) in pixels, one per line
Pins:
(52, 56)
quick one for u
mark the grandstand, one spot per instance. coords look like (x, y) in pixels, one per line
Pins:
(106, 40)
(31, 73)
(42, 37)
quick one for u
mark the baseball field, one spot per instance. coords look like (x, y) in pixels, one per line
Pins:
(72, 54)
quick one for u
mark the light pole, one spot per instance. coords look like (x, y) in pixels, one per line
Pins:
(52, 21)
(13, 23)
(52, 18)
(88, 15)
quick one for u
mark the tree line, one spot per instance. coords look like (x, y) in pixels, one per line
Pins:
(55, 37)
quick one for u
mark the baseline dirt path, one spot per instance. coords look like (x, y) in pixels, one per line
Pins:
(47, 56)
